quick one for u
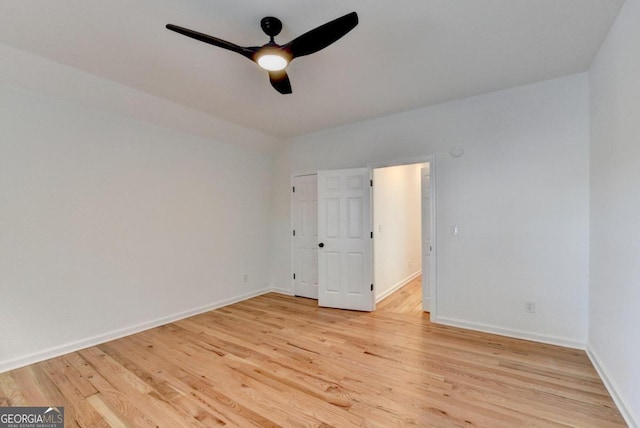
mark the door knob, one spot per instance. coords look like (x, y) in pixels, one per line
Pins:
(321, 244)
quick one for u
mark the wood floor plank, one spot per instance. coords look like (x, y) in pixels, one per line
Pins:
(220, 407)
(109, 416)
(143, 396)
(76, 406)
(277, 360)
(119, 402)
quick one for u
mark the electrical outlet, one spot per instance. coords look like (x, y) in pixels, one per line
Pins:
(530, 307)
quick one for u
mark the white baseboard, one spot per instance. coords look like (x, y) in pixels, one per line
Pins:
(516, 334)
(611, 387)
(117, 334)
(398, 286)
(284, 291)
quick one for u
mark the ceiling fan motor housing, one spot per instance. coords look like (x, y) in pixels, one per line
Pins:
(271, 26)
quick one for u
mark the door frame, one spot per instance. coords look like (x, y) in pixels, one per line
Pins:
(433, 277)
(434, 230)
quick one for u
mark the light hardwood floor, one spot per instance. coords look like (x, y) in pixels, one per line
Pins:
(276, 360)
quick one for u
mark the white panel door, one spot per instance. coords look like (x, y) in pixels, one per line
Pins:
(345, 268)
(427, 246)
(305, 236)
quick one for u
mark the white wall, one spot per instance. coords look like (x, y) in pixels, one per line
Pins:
(519, 195)
(614, 314)
(109, 225)
(43, 76)
(397, 227)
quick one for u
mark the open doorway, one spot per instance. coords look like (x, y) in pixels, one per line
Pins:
(395, 264)
(402, 223)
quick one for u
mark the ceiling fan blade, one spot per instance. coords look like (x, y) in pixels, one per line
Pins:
(322, 36)
(246, 52)
(280, 81)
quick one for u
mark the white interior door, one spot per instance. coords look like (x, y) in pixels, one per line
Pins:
(305, 236)
(344, 240)
(427, 247)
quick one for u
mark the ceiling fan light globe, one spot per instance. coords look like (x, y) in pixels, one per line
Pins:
(272, 62)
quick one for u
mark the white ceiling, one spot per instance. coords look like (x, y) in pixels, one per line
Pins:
(402, 55)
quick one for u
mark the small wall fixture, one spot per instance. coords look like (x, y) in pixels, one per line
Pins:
(456, 151)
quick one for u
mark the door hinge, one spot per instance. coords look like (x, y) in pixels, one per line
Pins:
(294, 232)
(371, 287)
(294, 276)
(294, 189)
(370, 183)
(371, 235)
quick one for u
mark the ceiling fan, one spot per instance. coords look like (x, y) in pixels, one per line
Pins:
(274, 57)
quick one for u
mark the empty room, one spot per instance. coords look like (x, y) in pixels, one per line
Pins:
(249, 213)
